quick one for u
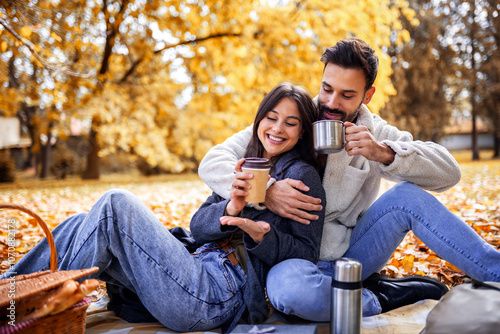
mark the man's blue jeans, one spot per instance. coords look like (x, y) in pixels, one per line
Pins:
(303, 289)
(134, 250)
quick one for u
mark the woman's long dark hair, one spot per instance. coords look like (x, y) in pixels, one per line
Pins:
(308, 114)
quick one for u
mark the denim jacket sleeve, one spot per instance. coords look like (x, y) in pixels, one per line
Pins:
(205, 225)
(287, 238)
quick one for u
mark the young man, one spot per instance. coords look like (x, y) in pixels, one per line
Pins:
(357, 224)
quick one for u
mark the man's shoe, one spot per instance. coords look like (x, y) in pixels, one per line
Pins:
(396, 292)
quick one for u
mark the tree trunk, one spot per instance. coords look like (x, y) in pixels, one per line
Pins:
(46, 154)
(496, 145)
(473, 88)
(25, 115)
(475, 146)
(92, 170)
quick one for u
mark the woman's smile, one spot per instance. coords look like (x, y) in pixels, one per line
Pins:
(275, 139)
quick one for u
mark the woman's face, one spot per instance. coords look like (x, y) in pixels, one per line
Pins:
(280, 129)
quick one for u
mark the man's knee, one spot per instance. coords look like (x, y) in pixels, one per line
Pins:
(285, 275)
(405, 188)
(287, 279)
(297, 287)
(407, 192)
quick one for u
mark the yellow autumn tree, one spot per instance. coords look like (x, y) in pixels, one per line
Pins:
(47, 69)
(166, 80)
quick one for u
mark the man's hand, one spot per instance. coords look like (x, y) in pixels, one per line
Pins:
(360, 141)
(284, 199)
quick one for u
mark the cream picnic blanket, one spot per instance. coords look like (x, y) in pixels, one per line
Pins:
(409, 319)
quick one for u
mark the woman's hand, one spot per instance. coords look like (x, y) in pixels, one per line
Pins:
(255, 229)
(238, 190)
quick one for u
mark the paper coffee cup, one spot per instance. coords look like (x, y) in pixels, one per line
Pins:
(259, 167)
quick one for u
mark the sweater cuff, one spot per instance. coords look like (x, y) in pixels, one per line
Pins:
(401, 148)
(401, 163)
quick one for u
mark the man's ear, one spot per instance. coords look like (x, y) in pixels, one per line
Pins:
(368, 95)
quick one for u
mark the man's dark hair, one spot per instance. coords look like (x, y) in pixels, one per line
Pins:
(353, 53)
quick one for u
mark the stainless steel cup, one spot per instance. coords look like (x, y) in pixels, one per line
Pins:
(346, 308)
(329, 136)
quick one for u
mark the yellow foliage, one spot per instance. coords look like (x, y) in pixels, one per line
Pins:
(407, 263)
(404, 36)
(55, 36)
(26, 32)
(169, 93)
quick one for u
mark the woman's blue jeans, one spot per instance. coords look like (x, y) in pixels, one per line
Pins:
(132, 249)
(303, 289)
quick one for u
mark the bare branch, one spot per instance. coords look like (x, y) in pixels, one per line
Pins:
(136, 63)
(56, 68)
(228, 34)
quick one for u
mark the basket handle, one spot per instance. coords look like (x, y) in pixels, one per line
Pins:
(43, 225)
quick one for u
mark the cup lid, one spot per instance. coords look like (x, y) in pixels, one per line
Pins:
(257, 163)
(347, 270)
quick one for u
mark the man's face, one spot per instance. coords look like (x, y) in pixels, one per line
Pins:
(342, 92)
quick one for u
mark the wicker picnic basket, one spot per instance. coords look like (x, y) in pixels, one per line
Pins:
(27, 292)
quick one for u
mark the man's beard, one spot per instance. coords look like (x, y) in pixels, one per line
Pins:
(345, 117)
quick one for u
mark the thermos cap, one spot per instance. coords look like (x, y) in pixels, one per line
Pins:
(346, 270)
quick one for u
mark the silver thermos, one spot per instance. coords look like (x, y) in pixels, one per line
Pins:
(346, 307)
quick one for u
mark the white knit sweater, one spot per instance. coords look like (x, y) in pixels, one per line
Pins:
(351, 183)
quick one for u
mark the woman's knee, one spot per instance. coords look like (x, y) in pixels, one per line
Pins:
(119, 195)
(123, 206)
(121, 199)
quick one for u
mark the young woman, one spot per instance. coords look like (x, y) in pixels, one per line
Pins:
(223, 281)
